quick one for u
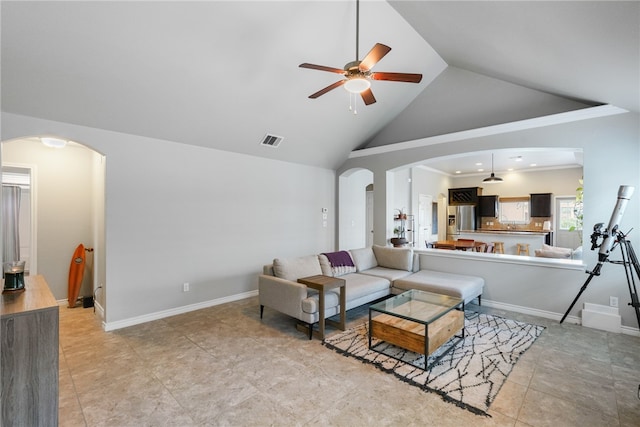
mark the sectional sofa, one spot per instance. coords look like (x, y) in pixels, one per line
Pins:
(370, 274)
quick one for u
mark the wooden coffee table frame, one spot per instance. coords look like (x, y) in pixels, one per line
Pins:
(416, 334)
(321, 284)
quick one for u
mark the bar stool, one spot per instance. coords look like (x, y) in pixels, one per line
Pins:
(480, 247)
(498, 247)
(523, 249)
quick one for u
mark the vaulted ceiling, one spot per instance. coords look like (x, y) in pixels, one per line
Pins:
(223, 74)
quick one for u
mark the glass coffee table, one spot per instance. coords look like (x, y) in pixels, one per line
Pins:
(417, 321)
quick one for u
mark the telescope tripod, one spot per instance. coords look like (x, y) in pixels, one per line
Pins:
(630, 263)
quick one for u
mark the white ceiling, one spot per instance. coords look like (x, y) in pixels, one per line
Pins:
(504, 161)
(222, 74)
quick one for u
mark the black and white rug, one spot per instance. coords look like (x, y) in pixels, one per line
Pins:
(470, 375)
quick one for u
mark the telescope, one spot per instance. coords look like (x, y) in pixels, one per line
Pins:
(624, 194)
(611, 238)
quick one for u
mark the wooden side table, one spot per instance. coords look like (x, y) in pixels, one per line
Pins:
(321, 284)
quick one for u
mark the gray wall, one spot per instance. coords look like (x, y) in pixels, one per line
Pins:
(611, 147)
(177, 213)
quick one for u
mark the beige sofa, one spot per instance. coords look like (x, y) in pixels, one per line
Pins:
(377, 271)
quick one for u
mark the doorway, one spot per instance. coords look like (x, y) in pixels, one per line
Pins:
(22, 176)
(369, 218)
(425, 219)
(67, 208)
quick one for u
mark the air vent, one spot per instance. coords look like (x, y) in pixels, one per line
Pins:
(271, 140)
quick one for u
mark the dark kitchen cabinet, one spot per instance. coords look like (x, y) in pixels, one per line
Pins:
(464, 196)
(541, 205)
(488, 206)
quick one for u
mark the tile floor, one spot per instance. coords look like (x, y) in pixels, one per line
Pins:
(223, 366)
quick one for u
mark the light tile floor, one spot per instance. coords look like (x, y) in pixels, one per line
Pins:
(223, 366)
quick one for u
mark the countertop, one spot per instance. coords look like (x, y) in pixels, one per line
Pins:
(516, 232)
(35, 296)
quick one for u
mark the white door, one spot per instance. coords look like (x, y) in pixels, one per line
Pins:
(369, 220)
(566, 235)
(424, 220)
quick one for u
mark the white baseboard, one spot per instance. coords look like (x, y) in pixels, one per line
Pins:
(111, 326)
(99, 311)
(627, 330)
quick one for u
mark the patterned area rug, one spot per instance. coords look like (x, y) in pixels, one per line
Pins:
(470, 375)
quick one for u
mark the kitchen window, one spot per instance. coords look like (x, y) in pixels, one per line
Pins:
(514, 210)
(568, 220)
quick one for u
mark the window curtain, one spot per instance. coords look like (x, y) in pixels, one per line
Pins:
(10, 222)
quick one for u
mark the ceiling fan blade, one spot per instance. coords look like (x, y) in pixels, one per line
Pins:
(374, 55)
(322, 68)
(397, 77)
(327, 89)
(367, 97)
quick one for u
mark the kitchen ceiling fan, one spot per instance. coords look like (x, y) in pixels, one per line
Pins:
(358, 74)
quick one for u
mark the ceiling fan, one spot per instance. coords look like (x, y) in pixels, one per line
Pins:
(358, 74)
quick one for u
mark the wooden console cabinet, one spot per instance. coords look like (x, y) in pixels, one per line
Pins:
(29, 355)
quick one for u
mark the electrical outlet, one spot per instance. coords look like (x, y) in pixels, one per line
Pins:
(185, 287)
(613, 301)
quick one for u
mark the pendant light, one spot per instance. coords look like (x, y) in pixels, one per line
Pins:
(493, 178)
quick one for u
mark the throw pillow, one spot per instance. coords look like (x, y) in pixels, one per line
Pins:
(334, 271)
(295, 268)
(396, 258)
(364, 259)
(553, 253)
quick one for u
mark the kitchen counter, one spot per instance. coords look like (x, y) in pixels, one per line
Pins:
(517, 232)
(510, 238)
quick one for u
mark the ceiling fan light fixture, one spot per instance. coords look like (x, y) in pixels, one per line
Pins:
(357, 84)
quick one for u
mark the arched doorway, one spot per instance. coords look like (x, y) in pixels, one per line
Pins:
(67, 193)
(355, 209)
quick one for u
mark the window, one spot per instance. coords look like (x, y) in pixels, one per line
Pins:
(514, 210)
(568, 220)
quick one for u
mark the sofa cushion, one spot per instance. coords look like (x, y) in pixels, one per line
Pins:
(577, 253)
(387, 273)
(553, 252)
(398, 258)
(295, 268)
(358, 285)
(363, 258)
(335, 270)
(311, 304)
(456, 285)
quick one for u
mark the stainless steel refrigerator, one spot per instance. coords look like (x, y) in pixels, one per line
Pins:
(461, 218)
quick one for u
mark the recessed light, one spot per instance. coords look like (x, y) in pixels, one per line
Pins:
(480, 170)
(510, 169)
(458, 171)
(479, 164)
(53, 142)
(533, 165)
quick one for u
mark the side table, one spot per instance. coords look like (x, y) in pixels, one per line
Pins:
(321, 284)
